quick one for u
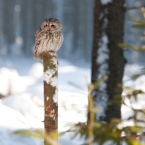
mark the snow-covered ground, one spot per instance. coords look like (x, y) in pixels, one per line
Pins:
(21, 81)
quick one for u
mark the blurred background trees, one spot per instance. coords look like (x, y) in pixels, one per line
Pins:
(21, 18)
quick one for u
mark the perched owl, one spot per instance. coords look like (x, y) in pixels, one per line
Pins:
(48, 38)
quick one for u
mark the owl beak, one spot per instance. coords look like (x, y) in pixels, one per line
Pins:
(49, 29)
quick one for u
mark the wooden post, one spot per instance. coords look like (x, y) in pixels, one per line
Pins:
(50, 92)
(48, 41)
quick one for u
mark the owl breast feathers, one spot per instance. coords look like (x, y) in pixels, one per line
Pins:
(48, 38)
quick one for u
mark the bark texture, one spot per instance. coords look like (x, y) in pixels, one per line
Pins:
(50, 92)
(108, 23)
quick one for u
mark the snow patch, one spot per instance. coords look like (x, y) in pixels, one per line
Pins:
(54, 81)
(103, 56)
(47, 77)
(54, 60)
(12, 119)
(102, 59)
(10, 82)
(28, 107)
(101, 106)
(103, 50)
(47, 98)
(37, 70)
(55, 97)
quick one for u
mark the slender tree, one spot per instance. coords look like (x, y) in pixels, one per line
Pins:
(24, 25)
(8, 23)
(50, 93)
(107, 57)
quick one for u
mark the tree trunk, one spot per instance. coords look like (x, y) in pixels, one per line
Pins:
(107, 57)
(50, 93)
(8, 23)
(24, 25)
(1, 26)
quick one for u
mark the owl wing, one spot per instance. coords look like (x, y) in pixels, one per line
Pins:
(38, 36)
(38, 32)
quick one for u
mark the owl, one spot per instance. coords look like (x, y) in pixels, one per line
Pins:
(49, 38)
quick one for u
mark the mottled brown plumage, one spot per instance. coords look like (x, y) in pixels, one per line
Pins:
(48, 38)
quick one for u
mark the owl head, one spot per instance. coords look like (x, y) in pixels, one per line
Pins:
(51, 25)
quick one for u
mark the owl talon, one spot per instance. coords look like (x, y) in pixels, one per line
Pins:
(52, 53)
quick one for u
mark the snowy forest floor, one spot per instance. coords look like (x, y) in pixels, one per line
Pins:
(21, 81)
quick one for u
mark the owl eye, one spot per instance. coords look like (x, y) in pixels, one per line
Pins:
(45, 25)
(52, 25)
